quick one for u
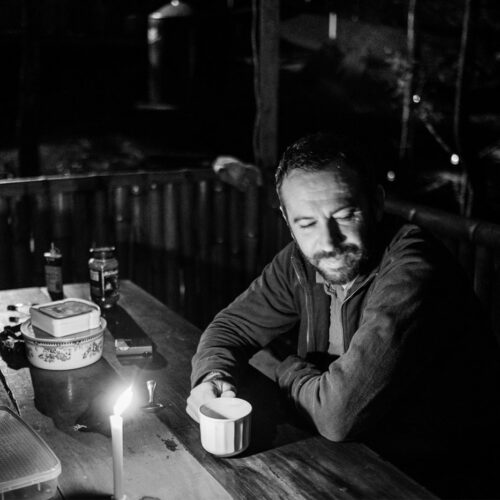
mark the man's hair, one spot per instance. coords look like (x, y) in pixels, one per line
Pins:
(324, 150)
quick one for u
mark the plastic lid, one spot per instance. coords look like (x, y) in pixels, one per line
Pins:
(33, 333)
(102, 252)
(67, 308)
(25, 458)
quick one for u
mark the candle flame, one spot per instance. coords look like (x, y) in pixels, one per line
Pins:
(123, 401)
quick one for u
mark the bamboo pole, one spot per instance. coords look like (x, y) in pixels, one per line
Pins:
(62, 231)
(251, 231)
(171, 244)
(154, 226)
(138, 239)
(100, 234)
(219, 255)
(235, 243)
(5, 247)
(81, 238)
(187, 250)
(122, 228)
(41, 229)
(203, 263)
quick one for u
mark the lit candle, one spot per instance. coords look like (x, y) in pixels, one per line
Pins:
(332, 26)
(116, 422)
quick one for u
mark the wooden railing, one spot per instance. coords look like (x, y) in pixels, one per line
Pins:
(191, 240)
(475, 244)
(188, 238)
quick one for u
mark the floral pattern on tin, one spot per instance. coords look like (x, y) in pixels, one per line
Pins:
(51, 354)
(92, 350)
(61, 353)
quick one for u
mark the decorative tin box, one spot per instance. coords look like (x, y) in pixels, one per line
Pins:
(64, 353)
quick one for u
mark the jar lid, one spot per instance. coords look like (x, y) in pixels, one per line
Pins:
(102, 252)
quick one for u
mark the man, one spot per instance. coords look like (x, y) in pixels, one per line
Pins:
(392, 346)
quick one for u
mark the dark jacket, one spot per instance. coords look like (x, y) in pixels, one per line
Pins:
(420, 365)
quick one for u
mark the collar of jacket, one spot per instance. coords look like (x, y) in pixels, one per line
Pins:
(306, 276)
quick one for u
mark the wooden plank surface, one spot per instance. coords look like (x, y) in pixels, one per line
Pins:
(163, 454)
(156, 463)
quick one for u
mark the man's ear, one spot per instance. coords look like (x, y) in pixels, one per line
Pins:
(379, 202)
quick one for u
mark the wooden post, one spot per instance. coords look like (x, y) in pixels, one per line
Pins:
(29, 83)
(266, 122)
(266, 100)
(406, 138)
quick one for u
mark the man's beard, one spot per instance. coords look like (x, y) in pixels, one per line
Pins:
(346, 262)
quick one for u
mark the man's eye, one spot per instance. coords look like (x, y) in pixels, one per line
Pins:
(348, 216)
(306, 225)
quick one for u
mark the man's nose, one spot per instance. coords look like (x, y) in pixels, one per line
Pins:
(331, 236)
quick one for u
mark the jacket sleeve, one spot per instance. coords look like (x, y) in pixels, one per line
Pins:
(264, 311)
(390, 348)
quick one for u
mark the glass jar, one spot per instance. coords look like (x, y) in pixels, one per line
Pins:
(104, 284)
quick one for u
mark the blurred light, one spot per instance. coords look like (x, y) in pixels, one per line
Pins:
(391, 176)
(454, 159)
(416, 98)
(123, 401)
(175, 3)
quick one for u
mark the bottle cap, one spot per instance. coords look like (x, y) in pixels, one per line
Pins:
(102, 252)
(53, 252)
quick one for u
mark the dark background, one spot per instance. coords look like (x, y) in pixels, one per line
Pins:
(75, 89)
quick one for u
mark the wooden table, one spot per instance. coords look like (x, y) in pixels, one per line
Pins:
(162, 453)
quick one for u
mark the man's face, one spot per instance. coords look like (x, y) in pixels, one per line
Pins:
(330, 219)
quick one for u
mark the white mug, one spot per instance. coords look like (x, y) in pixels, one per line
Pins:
(225, 426)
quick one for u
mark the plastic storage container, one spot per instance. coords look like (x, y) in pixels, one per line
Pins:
(28, 467)
(65, 317)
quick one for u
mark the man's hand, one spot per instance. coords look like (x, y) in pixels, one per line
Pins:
(214, 388)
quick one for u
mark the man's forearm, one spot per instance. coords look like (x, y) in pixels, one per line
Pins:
(332, 400)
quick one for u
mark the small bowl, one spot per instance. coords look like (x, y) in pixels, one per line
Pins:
(63, 353)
